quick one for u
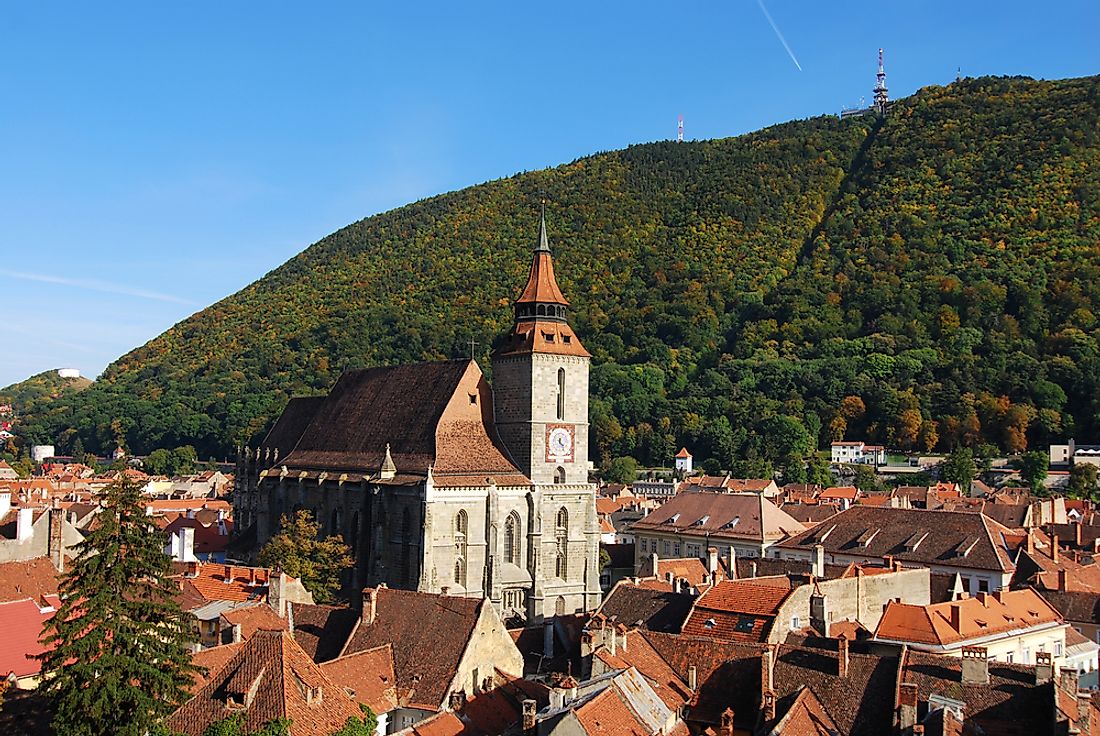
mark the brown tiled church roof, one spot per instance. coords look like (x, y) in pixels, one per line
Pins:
(430, 414)
(292, 423)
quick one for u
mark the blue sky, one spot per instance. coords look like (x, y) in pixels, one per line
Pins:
(156, 157)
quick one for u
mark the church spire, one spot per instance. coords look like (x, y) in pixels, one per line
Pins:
(541, 298)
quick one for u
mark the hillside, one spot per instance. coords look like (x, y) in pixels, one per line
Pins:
(923, 281)
(32, 393)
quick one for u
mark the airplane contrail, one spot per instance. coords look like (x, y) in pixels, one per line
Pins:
(95, 285)
(779, 34)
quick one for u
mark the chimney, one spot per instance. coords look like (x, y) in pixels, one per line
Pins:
(842, 656)
(975, 666)
(228, 573)
(818, 570)
(1077, 532)
(727, 722)
(654, 561)
(290, 617)
(1054, 548)
(712, 563)
(1068, 680)
(1044, 667)
(548, 639)
(275, 599)
(693, 678)
(956, 617)
(1084, 713)
(907, 705)
(57, 537)
(24, 524)
(1063, 583)
(1030, 541)
(238, 637)
(187, 544)
(530, 712)
(370, 607)
(767, 683)
(5, 504)
(457, 701)
(752, 569)
(733, 563)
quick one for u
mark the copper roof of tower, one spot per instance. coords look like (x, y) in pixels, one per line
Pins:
(541, 285)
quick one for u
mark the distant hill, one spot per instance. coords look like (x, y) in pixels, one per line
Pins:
(924, 281)
(31, 394)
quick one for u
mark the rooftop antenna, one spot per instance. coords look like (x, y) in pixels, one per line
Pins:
(882, 99)
(680, 129)
(958, 74)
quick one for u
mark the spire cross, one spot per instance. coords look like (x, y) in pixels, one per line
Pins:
(473, 344)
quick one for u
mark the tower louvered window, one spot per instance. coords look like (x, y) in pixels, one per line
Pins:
(561, 541)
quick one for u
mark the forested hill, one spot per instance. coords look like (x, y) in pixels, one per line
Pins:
(32, 393)
(929, 280)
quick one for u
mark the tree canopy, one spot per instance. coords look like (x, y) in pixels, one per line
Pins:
(120, 657)
(297, 551)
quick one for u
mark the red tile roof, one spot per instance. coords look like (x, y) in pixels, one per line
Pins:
(607, 714)
(217, 582)
(429, 634)
(738, 610)
(368, 675)
(985, 615)
(32, 578)
(721, 516)
(269, 677)
(22, 621)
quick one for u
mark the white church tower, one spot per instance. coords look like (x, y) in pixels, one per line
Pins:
(540, 394)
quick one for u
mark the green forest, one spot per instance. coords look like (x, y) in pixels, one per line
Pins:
(926, 281)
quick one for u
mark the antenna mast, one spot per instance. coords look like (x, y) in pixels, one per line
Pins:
(882, 100)
(680, 130)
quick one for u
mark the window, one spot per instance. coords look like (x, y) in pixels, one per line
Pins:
(1057, 649)
(561, 543)
(676, 549)
(1010, 657)
(511, 538)
(561, 393)
(1027, 656)
(796, 624)
(644, 545)
(407, 571)
(983, 585)
(462, 527)
(559, 475)
(668, 551)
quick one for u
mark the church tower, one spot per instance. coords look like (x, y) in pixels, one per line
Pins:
(540, 381)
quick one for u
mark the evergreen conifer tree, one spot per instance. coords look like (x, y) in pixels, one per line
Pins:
(119, 658)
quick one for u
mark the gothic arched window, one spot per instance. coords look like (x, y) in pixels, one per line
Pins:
(561, 393)
(461, 530)
(561, 544)
(511, 538)
(334, 527)
(407, 541)
(559, 475)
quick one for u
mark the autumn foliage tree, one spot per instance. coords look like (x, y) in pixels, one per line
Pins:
(297, 551)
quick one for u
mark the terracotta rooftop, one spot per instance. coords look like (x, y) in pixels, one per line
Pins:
(425, 657)
(683, 454)
(738, 610)
(32, 578)
(942, 538)
(211, 660)
(269, 677)
(948, 624)
(218, 582)
(368, 675)
(656, 608)
(640, 654)
(721, 516)
(260, 617)
(607, 714)
(22, 621)
(1010, 705)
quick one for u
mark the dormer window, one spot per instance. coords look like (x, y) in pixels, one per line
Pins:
(703, 520)
(672, 519)
(732, 523)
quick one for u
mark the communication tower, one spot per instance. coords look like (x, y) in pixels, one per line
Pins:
(680, 129)
(882, 99)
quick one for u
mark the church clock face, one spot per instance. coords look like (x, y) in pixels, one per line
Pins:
(559, 443)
